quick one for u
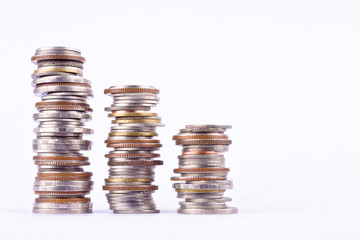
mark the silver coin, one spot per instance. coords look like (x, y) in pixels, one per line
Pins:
(202, 156)
(230, 210)
(61, 211)
(199, 186)
(74, 90)
(62, 188)
(59, 147)
(207, 128)
(126, 108)
(215, 200)
(132, 195)
(54, 63)
(63, 130)
(44, 74)
(62, 183)
(187, 196)
(57, 123)
(136, 211)
(63, 205)
(132, 86)
(57, 50)
(61, 141)
(202, 205)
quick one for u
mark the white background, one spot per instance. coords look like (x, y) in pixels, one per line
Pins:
(284, 74)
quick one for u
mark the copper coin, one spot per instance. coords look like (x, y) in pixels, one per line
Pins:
(132, 155)
(198, 170)
(136, 163)
(130, 90)
(130, 188)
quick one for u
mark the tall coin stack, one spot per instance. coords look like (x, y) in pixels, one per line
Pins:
(132, 161)
(202, 169)
(61, 182)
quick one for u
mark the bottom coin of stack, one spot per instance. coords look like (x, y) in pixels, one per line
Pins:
(202, 169)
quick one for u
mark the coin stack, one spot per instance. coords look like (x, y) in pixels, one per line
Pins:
(61, 182)
(132, 161)
(202, 169)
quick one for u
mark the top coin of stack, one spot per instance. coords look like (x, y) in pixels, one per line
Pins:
(61, 182)
(131, 162)
(203, 170)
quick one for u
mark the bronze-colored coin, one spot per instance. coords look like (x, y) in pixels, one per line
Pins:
(132, 141)
(199, 136)
(130, 188)
(203, 142)
(131, 90)
(132, 155)
(44, 104)
(60, 158)
(200, 170)
(57, 56)
(133, 145)
(136, 163)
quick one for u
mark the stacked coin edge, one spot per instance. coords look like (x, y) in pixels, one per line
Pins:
(61, 182)
(132, 160)
(203, 179)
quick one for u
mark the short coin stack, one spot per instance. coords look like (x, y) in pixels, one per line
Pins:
(202, 170)
(132, 161)
(61, 182)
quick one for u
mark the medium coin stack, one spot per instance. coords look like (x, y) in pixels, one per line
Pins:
(202, 169)
(132, 161)
(61, 182)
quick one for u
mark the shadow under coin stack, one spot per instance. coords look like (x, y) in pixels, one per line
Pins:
(61, 182)
(132, 161)
(202, 170)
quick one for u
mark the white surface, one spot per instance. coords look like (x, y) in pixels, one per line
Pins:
(285, 74)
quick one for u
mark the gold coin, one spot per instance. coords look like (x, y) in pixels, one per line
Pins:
(136, 121)
(57, 69)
